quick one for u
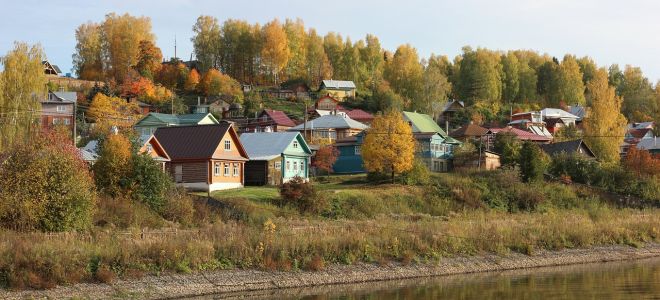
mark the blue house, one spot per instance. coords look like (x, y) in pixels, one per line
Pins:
(435, 150)
(349, 160)
(275, 157)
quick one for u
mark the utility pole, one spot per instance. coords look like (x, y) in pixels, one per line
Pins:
(75, 120)
(175, 45)
(305, 122)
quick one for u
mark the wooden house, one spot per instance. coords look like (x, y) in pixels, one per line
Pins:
(155, 150)
(349, 158)
(339, 89)
(329, 128)
(204, 157)
(275, 157)
(435, 150)
(58, 109)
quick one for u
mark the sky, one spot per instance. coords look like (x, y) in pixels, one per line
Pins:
(623, 32)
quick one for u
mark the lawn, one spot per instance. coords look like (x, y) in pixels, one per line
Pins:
(253, 193)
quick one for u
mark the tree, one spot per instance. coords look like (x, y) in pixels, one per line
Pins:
(45, 186)
(642, 162)
(567, 133)
(21, 90)
(297, 43)
(145, 90)
(88, 59)
(479, 76)
(325, 157)
(121, 37)
(317, 64)
(511, 77)
(206, 42)
(604, 126)
(113, 167)
(638, 95)
(148, 183)
(192, 81)
(532, 162)
(215, 83)
(571, 86)
(109, 111)
(405, 72)
(435, 88)
(149, 60)
(508, 146)
(275, 52)
(389, 146)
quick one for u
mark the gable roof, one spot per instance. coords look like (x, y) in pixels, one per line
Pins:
(552, 122)
(279, 117)
(469, 130)
(649, 144)
(48, 65)
(566, 147)
(578, 111)
(423, 123)
(331, 121)
(557, 113)
(521, 134)
(269, 145)
(448, 106)
(338, 84)
(358, 114)
(170, 119)
(61, 97)
(193, 142)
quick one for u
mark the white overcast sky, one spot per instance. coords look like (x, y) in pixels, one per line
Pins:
(623, 32)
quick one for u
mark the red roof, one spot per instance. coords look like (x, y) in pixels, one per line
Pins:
(521, 134)
(279, 117)
(358, 114)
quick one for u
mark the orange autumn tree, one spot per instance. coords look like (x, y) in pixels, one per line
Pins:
(325, 157)
(145, 90)
(192, 81)
(389, 146)
(215, 83)
(642, 162)
(149, 59)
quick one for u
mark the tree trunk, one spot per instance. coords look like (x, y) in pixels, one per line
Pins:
(392, 175)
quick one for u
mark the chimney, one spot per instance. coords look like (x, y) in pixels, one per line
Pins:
(199, 101)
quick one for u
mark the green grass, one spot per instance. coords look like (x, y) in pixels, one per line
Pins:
(253, 193)
(291, 108)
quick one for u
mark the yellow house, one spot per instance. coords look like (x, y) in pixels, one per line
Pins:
(339, 89)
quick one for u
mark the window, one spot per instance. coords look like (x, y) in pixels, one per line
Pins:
(61, 108)
(295, 166)
(302, 167)
(226, 169)
(227, 145)
(67, 121)
(235, 169)
(277, 165)
(216, 169)
(358, 150)
(55, 121)
(295, 144)
(150, 148)
(288, 165)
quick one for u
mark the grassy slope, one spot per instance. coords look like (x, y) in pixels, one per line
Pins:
(455, 215)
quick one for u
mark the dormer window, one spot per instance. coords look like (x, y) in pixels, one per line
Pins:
(227, 145)
(295, 144)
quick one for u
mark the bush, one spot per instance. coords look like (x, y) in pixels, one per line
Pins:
(418, 175)
(301, 194)
(150, 185)
(112, 169)
(179, 207)
(45, 186)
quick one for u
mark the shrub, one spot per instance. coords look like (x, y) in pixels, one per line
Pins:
(112, 169)
(179, 207)
(532, 162)
(149, 184)
(418, 175)
(301, 194)
(45, 186)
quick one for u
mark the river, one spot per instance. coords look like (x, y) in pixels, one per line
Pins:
(617, 280)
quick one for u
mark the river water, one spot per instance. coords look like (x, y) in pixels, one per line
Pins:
(618, 280)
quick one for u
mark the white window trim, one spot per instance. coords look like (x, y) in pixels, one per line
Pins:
(358, 150)
(216, 169)
(236, 172)
(226, 174)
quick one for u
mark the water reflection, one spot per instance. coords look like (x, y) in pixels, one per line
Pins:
(621, 280)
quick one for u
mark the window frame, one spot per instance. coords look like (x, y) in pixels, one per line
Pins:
(358, 150)
(236, 172)
(227, 145)
(216, 169)
(226, 170)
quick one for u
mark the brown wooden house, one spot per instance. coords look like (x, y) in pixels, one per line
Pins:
(204, 157)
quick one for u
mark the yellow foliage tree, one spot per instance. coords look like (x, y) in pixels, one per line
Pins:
(389, 145)
(113, 164)
(113, 111)
(275, 52)
(604, 126)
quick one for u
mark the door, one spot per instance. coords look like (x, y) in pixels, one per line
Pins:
(178, 173)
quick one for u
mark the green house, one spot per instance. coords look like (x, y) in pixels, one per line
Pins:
(275, 157)
(434, 146)
(152, 121)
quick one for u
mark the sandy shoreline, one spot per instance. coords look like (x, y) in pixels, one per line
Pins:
(232, 283)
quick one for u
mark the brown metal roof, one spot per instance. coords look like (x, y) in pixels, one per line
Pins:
(191, 142)
(469, 130)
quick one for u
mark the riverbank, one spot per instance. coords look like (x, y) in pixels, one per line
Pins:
(235, 283)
